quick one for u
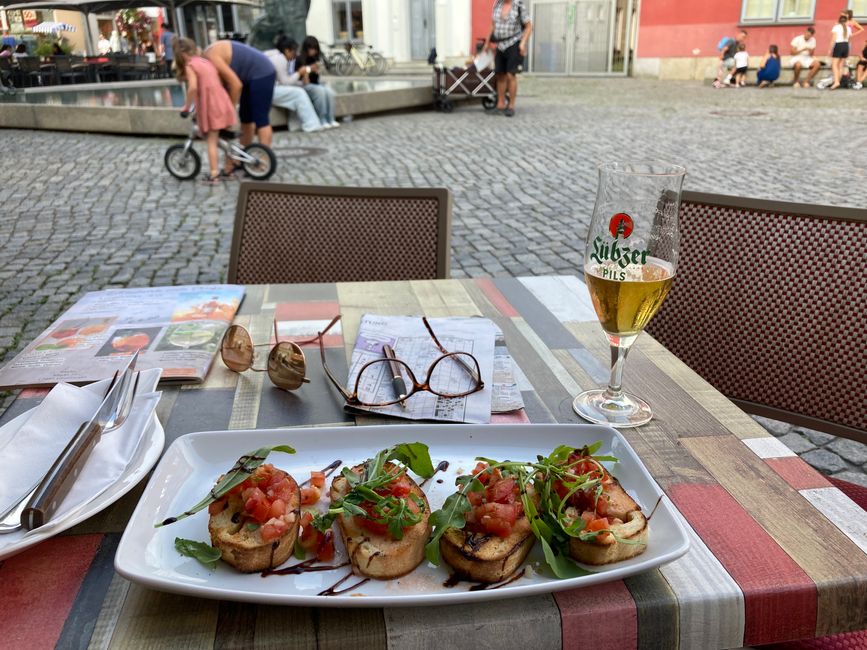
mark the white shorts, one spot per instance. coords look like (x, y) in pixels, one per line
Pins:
(804, 60)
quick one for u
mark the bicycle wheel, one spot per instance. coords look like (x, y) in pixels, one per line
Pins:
(380, 64)
(182, 165)
(345, 66)
(265, 164)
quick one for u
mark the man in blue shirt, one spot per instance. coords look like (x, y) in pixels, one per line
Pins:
(166, 50)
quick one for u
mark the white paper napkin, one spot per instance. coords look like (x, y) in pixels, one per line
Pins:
(28, 450)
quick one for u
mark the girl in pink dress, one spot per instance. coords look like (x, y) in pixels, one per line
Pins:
(214, 109)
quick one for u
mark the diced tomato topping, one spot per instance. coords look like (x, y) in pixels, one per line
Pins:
(598, 524)
(278, 508)
(257, 506)
(481, 467)
(400, 487)
(325, 548)
(587, 516)
(310, 495)
(217, 506)
(317, 479)
(493, 518)
(602, 505)
(273, 529)
(306, 517)
(503, 491)
(476, 498)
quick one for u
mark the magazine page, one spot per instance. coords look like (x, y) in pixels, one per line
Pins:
(178, 329)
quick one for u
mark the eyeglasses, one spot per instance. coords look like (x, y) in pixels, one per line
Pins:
(286, 363)
(452, 374)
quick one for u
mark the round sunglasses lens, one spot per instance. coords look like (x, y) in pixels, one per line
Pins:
(455, 374)
(237, 349)
(286, 366)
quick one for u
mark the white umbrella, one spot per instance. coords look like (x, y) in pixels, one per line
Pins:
(50, 27)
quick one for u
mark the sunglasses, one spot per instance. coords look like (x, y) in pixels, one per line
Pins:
(450, 375)
(286, 365)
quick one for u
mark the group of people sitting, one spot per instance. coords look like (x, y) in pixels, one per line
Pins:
(229, 73)
(734, 58)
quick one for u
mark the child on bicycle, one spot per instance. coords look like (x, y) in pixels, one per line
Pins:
(214, 107)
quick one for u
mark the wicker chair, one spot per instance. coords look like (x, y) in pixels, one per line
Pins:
(299, 233)
(770, 306)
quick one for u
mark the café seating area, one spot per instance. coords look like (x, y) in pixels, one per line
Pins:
(34, 72)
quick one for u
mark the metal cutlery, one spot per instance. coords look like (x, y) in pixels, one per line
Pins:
(40, 504)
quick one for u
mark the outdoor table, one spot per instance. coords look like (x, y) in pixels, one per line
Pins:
(776, 553)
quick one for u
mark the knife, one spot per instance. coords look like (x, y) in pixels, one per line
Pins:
(57, 483)
(396, 377)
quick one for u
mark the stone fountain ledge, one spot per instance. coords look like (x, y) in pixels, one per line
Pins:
(138, 120)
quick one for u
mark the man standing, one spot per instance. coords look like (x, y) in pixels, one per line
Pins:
(166, 50)
(727, 48)
(510, 30)
(803, 46)
(288, 93)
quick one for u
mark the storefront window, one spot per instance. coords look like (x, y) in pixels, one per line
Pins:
(348, 24)
(778, 10)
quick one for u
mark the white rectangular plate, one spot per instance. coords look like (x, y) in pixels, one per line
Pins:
(194, 462)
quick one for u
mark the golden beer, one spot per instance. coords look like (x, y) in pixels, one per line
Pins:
(626, 306)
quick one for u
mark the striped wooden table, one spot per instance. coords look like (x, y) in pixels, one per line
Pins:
(777, 552)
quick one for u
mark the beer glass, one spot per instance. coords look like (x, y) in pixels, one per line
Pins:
(629, 264)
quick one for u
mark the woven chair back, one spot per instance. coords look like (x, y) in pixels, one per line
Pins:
(769, 305)
(299, 233)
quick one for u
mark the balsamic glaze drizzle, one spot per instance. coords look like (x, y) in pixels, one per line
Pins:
(658, 501)
(307, 566)
(453, 581)
(443, 466)
(327, 470)
(334, 591)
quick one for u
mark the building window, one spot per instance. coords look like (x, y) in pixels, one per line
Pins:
(769, 11)
(859, 7)
(348, 25)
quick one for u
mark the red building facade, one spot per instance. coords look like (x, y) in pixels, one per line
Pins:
(678, 38)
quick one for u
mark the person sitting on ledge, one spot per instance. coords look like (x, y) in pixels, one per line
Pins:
(803, 46)
(288, 92)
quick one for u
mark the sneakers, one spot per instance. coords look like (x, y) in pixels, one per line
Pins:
(334, 124)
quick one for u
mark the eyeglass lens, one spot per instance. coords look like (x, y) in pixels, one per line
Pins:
(452, 375)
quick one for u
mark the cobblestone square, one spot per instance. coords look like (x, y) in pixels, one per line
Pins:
(84, 212)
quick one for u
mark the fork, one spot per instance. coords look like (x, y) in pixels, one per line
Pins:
(86, 437)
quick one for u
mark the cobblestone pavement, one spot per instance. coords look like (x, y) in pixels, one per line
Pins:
(83, 212)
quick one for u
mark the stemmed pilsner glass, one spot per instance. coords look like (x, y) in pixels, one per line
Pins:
(629, 265)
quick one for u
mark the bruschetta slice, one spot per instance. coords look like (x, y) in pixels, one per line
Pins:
(614, 529)
(256, 523)
(497, 537)
(374, 550)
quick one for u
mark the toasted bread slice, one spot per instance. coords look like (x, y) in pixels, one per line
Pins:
(245, 549)
(380, 556)
(605, 549)
(487, 558)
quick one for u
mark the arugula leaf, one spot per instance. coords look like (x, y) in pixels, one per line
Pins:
(451, 515)
(240, 472)
(414, 455)
(204, 553)
(562, 566)
(299, 551)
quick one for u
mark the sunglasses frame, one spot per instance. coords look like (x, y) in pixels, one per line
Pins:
(353, 400)
(294, 348)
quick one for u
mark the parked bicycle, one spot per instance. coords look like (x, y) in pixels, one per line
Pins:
(367, 61)
(184, 162)
(332, 59)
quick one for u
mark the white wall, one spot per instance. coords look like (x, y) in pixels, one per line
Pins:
(387, 26)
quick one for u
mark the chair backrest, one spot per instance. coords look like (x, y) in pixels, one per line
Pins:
(5, 62)
(301, 233)
(29, 63)
(769, 305)
(62, 63)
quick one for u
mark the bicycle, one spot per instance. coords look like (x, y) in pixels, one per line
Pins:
(332, 59)
(184, 162)
(369, 62)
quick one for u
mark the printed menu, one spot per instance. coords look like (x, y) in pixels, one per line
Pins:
(178, 329)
